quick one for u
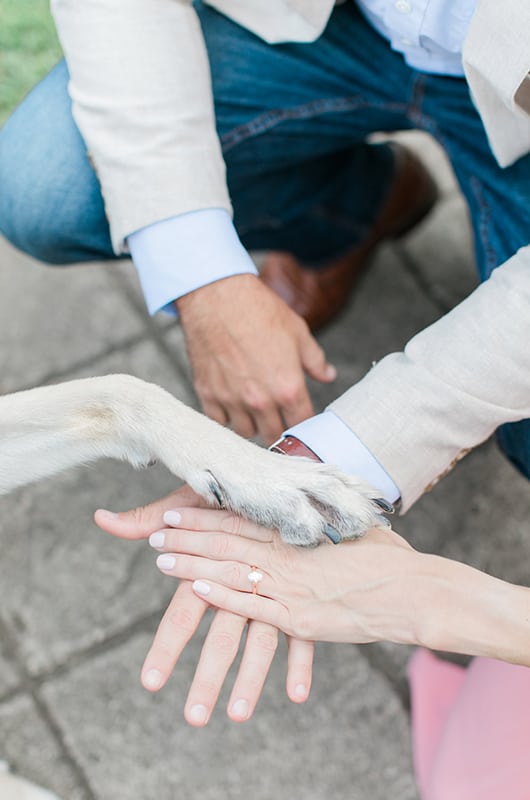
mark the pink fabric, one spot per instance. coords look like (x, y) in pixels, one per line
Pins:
(470, 728)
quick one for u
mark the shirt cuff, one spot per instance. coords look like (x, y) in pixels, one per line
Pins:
(181, 254)
(334, 443)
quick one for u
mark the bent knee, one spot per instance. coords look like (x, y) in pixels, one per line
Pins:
(50, 219)
(50, 200)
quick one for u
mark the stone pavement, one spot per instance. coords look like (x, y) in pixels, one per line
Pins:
(78, 608)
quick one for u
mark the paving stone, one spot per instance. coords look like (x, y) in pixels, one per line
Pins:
(351, 739)
(8, 676)
(124, 276)
(175, 342)
(65, 584)
(384, 312)
(29, 747)
(53, 318)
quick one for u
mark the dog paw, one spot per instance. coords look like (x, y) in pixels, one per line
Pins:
(306, 501)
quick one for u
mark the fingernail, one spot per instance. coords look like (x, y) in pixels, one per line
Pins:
(300, 690)
(198, 714)
(157, 539)
(165, 561)
(240, 709)
(331, 372)
(109, 514)
(201, 587)
(153, 679)
(172, 517)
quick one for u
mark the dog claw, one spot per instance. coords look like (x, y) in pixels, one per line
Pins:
(387, 507)
(332, 534)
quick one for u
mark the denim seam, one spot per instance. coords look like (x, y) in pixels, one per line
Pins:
(315, 108)
(484, 224)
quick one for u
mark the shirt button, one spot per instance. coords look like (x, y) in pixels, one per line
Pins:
(403, 6)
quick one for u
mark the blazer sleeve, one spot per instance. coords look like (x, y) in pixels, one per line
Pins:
(420, 411)
(142, 99)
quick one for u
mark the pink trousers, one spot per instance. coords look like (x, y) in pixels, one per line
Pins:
(470, 728)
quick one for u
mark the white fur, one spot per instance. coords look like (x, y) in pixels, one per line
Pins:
(47, 430)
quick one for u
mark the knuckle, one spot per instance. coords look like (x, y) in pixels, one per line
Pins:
(218, 546)
(290, 393)
(232, 524)
(224, 643)
(180, 619)
(140, 516)
(204, 389)
(267, 641)
(254, 397)
(231, 574)
(303, 628)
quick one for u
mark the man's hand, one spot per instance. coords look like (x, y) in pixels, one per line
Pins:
(249, 352)
(182, 618)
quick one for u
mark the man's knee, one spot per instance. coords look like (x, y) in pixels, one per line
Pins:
(50, 200)
(31, 215)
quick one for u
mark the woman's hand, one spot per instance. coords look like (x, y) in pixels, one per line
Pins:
(355, 592)
(376, 588)
(181, 620)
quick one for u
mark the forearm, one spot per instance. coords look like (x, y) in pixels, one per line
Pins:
(463, 610)
(142, 99)
(451, 387)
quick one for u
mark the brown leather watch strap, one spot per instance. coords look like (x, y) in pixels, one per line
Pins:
(291, 446)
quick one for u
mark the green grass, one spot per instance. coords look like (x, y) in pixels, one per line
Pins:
(28, 49)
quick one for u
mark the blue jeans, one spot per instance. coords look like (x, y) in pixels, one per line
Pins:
(293, 120)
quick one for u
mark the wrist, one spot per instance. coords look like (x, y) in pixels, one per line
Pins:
(211, 294)
(464, 610)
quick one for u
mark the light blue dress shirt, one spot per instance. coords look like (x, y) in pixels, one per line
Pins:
(175, 256)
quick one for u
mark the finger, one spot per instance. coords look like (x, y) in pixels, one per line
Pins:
(242, 422)
(314, 359)
(139, 522)
(217, 548)
(214, 411)
(218, 652)
(232, 574)
(249, 606)
(260, 647)
(299, 669)
(214, 521)
(270, 425)
(262, 406)
(296, 405)
(176, 628)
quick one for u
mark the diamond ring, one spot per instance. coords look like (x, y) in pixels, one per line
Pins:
(255, 576)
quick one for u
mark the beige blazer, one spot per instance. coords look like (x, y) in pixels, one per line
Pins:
(142, 99)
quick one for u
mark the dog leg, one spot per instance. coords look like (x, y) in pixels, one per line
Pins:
(47, 430)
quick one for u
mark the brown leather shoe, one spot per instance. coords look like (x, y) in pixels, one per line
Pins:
(319, 295)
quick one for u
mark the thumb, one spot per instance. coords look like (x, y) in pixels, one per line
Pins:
(141, 522)
(314, 359)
